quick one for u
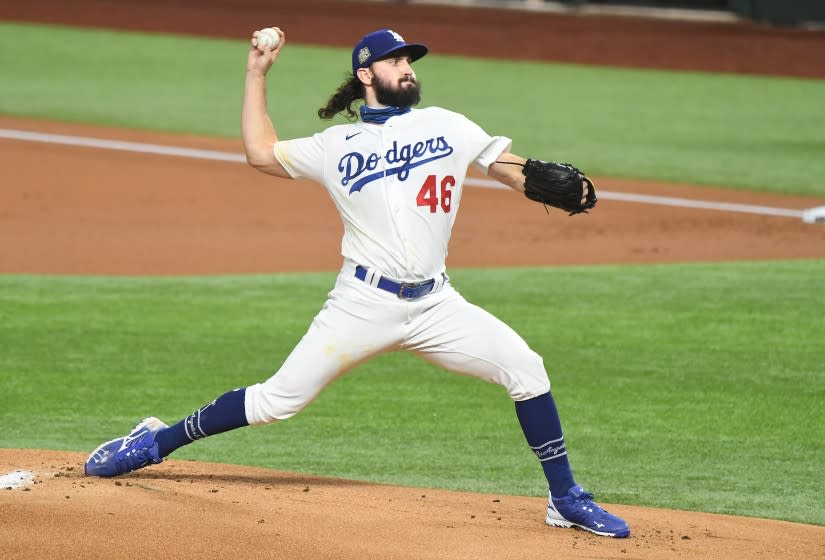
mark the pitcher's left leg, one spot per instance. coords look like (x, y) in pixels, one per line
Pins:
(463, 338)
(452, 333)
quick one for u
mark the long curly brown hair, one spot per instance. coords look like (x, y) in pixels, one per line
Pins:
(344, 100)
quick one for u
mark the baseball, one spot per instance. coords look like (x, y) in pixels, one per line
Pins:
(268, 38)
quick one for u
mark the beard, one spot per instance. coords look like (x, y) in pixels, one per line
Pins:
(400, 96)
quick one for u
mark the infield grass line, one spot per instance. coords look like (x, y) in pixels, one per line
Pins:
(689, 386)
(215, 155)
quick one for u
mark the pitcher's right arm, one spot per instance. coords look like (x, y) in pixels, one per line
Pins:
(257, 130)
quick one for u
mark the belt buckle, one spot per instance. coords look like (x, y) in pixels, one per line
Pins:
(406, 285)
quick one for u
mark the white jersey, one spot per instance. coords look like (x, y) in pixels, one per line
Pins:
(397, 186)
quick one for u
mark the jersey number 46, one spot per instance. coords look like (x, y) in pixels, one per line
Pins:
(429, 195)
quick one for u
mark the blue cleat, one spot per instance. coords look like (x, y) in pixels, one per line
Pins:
(128, 453)
(577, 509)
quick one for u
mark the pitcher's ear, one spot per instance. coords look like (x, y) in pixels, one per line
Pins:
(365, 75)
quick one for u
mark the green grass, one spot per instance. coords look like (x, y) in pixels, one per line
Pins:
(697, 387)
(749, 132)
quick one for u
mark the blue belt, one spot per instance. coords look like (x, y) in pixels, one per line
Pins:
(404, 290)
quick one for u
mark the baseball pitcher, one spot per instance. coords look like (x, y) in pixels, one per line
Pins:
(396, 175)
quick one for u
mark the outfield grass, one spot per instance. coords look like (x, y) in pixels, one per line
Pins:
(752, 132)
(695, 386)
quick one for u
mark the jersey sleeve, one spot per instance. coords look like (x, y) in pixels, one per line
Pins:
(483, 147)
(302, 157)
(497, 146)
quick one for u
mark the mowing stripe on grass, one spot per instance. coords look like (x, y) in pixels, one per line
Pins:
(214, 155)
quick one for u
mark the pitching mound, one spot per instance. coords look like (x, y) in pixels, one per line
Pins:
(186, 509)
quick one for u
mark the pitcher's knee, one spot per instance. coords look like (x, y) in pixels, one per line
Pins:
(527, 378)
(266, 404)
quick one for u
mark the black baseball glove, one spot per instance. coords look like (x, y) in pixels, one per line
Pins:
(559, 185)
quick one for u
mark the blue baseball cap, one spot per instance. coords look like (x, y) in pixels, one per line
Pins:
(379, 44)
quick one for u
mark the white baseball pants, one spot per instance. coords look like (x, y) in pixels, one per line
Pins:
(359, 321)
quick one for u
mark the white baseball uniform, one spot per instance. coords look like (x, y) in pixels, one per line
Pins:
(398, 187)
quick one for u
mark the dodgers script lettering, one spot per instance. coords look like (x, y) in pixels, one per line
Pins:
(357, 169)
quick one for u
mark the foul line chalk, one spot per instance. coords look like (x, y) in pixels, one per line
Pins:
(213, 155)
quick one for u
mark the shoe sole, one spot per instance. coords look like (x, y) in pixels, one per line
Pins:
(143, 423)
(564, 524)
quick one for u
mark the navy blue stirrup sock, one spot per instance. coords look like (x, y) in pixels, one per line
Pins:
(540, 423)
(225, 413)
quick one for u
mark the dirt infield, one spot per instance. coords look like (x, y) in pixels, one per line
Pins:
(188, 510)
(103, 212)
(88, 211)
